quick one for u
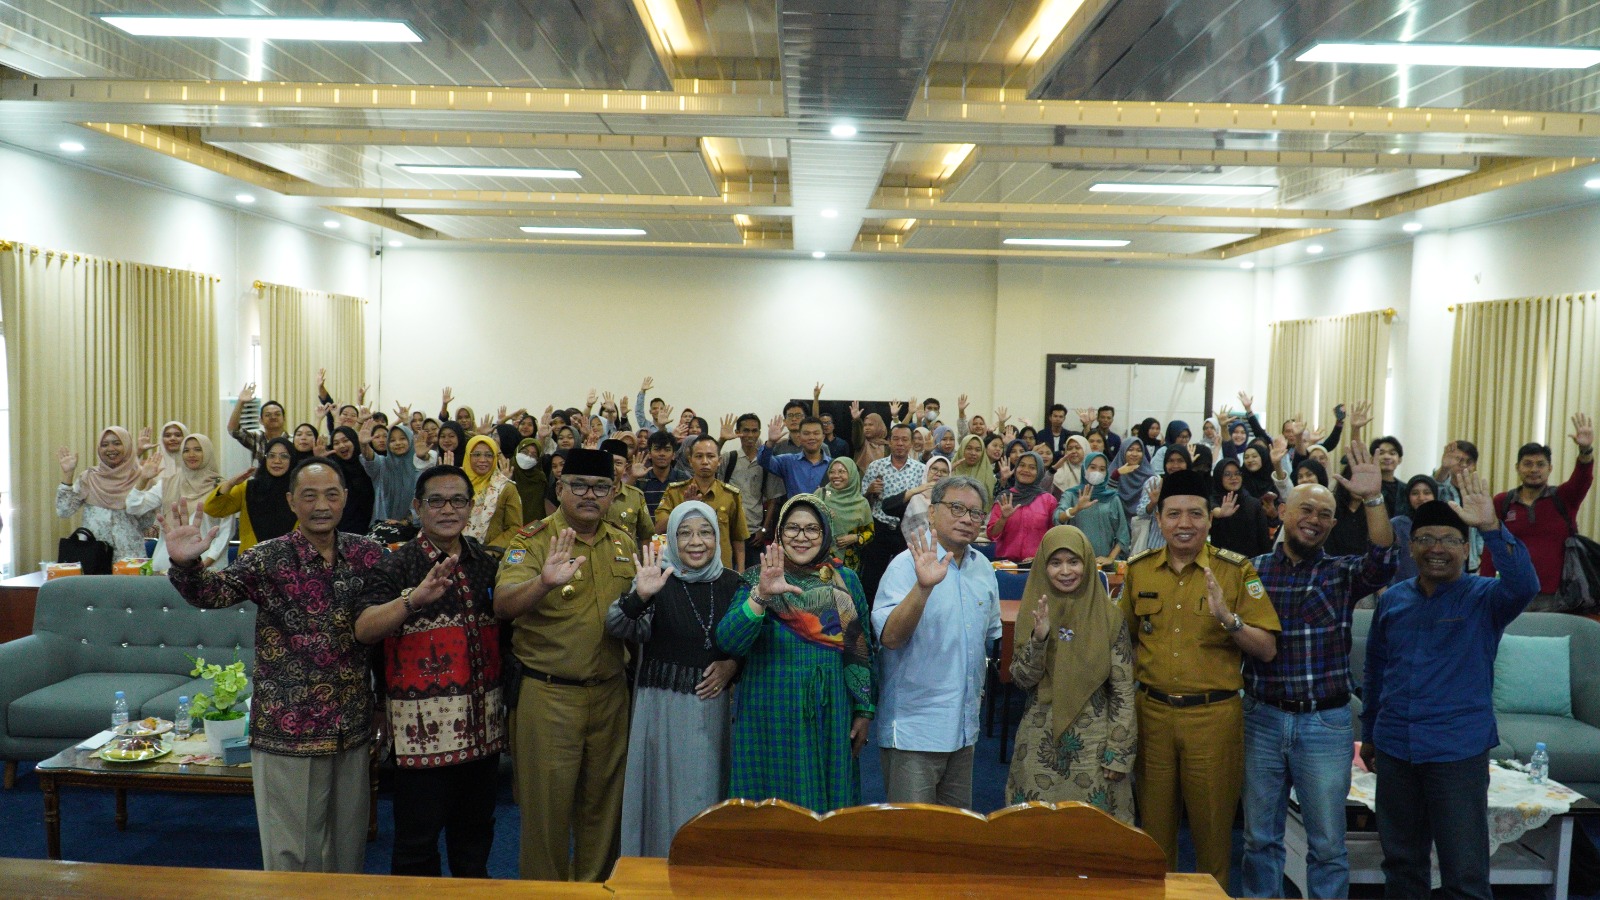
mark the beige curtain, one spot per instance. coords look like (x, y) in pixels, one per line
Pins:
(89, 343)
(303, 331)
(1316, 364)
(1521, 369)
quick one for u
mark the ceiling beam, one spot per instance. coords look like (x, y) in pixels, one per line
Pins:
(1090, 157)
(407, 137)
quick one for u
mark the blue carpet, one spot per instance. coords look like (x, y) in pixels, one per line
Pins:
(220, 832)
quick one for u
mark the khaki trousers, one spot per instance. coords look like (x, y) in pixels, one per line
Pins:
(311, 811)
(916, 776)
(571, 755)
(1193, 756)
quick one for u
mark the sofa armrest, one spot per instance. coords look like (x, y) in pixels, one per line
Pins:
(26, 665)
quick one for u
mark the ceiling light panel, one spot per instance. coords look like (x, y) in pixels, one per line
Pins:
(490, 171)
(1463, 54)
(938, 235)
(838, 175)
(267, 28)
(506, 225)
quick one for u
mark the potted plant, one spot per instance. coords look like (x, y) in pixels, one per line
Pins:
(219, 709)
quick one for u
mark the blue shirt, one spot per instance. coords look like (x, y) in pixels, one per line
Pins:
(1429, 693)
(929, 689)
(800, 476)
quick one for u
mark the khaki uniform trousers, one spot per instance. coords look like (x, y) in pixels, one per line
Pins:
(571, 754)
(1194, 756)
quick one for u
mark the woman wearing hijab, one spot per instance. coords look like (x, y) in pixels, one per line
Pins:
(1178, 435)
(921, 444)
(393, 474)
(972, 461)
(912, 506)
(496, 506)
(1022, 512)
(1129, 472)
(1256, 468)
(1096, 511)
(1144, 527)
(1238, 439)
(191, 484)
(872, 436)
(259, 496)
(360, 494)
(1069, 475)
(1210, 435)
(451, 447)
(850, 515)
(1201, 459)
(170, 450)
(553, 464)
(944, 442)
(307, 441)
(1419, 490)
(806, 694)
(1238, 522)
(1149, 434)
(529, 474)
(678, 757)
(101, 492)
(1072, 654)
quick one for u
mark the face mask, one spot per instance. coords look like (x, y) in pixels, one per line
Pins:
(526, 462)
(1095, 477)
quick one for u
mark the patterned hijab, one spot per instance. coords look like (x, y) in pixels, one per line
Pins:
(107, 486)
(712, 570)
(1083, 626)
(847, 509)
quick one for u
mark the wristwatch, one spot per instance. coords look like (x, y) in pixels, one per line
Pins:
(1237, 625)
(405, 600)
(1373, 502)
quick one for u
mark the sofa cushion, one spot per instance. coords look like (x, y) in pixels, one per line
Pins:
(81, 705)
(1534, 675)
(122, 623)
(1572, 744)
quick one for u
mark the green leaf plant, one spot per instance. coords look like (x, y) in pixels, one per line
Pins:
(226, 684)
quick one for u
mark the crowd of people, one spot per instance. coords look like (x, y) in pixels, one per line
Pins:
(651, 616)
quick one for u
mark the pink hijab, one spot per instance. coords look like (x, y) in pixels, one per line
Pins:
(107, 486)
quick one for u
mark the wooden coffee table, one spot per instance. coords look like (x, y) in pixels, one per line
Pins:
(73, 767)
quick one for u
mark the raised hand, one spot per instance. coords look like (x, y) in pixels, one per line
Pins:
(1008, 505)
(691, 491)
(1214, 601)
(772, 581)
(402, 415)
(185, 540)
(1001, 414)
(1365, 481)
(715, 679)
(894, 410)
(816, 392)
(560, 566)
(320, 448)
(912, 409)
(68, 460)
(961, 405)
(1085, 499)
(727, 431)
(447, 457)
(775, 429)
(589, 400)
(434, 583)
(875, 487)
(1041, 618)
(681, 432)
(150, 467)
(1005, 468)
(445, 398)
(240, 478)
(651, 575)
(503, 468)
(646, 384)
(248, 392)
(1312, 435)
(1582, 431)
(322, 377)
(1360, 414)
(930, 568)
(640, 468)
(608, 399)
(1230, 505)
(486, 424)
(146, 440)
(324, 410)
(1246, 401)
(1086, 416)
(855, 409)
(501, 414)
(1280, 449)
(665, 415)
(1477, 505)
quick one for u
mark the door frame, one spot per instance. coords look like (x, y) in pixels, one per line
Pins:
(1053, 360)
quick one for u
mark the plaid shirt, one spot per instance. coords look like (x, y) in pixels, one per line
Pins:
(1314, 600)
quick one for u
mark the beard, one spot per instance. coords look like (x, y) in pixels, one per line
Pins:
(1301, 548)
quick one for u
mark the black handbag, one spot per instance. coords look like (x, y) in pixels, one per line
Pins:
(83, 548)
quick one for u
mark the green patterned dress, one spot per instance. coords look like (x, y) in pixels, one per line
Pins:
(798, 693)
(1102, 735)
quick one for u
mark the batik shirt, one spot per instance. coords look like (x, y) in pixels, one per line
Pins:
(895, 481)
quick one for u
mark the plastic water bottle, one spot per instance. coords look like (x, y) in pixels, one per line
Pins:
(1539, 764)
(182, 722)
(119, 711)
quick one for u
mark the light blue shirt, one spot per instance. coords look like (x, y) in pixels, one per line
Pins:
(929, 690)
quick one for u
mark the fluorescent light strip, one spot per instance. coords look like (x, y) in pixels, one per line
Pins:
(1478, 55)
(1064, 242)
(1109, 187)
(489, 171)
(268, 28)
(574, 229)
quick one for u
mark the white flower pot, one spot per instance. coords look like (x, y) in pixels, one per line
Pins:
(219, 730)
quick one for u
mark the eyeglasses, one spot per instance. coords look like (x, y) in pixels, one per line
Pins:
(457, 502)
(810, 531)
(1428, 542)
(959, 510)
(582, 489)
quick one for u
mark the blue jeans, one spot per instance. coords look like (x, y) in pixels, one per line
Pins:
(1311, 751)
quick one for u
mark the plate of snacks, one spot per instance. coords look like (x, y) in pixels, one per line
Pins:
(135, 749)
(146, 727)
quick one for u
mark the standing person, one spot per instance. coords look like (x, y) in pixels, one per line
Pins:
(101, 492)
(971, 461)
(1238, 522)
(802, 472)
(836, 445)
(1543, 517)
(1095, 511)
(914, 505)
(1022, 513)
(937, 615)
(849, 512)
(1389, 453)
(1193, 612)
(886, 477)
(1419, 490)
(311, 710)
(1427, 722)
(871, 435)
(1297, 730)
(259, 496)
(192, 483)
(1069, 468)
(1130, 469)
(272, 424)
(170, 450)
(430, 604)
(528, 474)
(724, 500)
(1102, 424)
(559, 577)
(682, 710)
(760, 491)
(1055, 433)
(1072, 653)
(629, 510)
(806, 695)
(662, 455)
(394, 474)
(361, 495)
(496, 506)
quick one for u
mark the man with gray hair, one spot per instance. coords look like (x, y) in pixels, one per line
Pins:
(937, 615)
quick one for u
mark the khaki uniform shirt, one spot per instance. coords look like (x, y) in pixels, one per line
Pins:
(1179, 646)
(565, 634)
(728, 502)
(630, 513)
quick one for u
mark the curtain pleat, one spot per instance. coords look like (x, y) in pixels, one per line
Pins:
(303, 331)
(89, 343)
(1315, 364)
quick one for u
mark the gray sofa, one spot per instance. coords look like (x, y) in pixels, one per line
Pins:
(96, 635)
(1573, 744)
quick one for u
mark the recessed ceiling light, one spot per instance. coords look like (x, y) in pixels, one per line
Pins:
(244, 198)
(1395, 151)
(1247, 264)
(1064, 242)
(490, 171)
(830, 214)
(1412, 227)
(1042, 31)
(71, 146)
(1314, 249)
(1111, 187)
(267, 28)
(1592, 184)
(818, 254)
(395, 244)
(575, 229)
(843, 130)
(1478, 55)
(329, 223)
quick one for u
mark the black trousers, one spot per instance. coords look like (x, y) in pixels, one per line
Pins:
(885, 545)
(457, 800)
(1445, 805)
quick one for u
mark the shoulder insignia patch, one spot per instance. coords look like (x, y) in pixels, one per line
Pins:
(1237, 559)
(677, 484)
(1138, 556)
(531, 530)
(516, 556)
(1255, 588)
(730, 488)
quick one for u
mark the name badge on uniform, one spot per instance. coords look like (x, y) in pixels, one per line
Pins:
(1150, 595)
